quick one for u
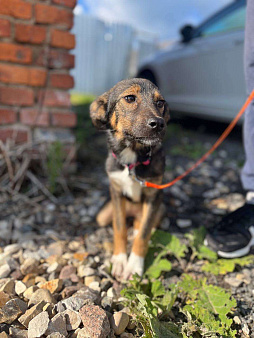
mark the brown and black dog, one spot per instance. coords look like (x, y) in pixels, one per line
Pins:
(134, 114)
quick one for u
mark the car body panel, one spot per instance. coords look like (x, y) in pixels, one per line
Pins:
(204, 77)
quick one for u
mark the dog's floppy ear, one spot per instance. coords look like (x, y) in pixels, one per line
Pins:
(98, 111)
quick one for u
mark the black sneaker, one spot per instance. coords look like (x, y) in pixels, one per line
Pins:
(233, 236)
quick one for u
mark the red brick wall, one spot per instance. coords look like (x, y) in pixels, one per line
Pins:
(35, 60)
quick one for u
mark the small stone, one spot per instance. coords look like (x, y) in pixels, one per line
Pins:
(84, 271)
(126, 335)
(30, 265)
(73, 319)
(8, 287)
(41, 294)
(10, 311)
(30, 291)
(31, 313)
(53, 286)
(184, 223)
(95, 286)
(95, 321)
(88, 295)
(38, 325)
(237, 320)
(4, 298)
(50, 309)
(40, 279)
(119, 322)
(106, 303)
(81, 256)
(71, 303)
(90, 279)
(55, 267)
(233, 281)
(67, 271)
(111, 292)
(29, 279)
(57, 324)
(55, 335)
(81, 333)
(12, 248)
(18, 333)
(5, 270)
(20, 288)
(105, 284)
(245, 329)
(69, 291)
(56, 248)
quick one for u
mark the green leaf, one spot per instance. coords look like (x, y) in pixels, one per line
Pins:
(155, 270)
(157, 289)
(208, 307)
(169, 298)
(223, 266)
(196, 242)
(164, 329)
(170, 244)
(205, 253)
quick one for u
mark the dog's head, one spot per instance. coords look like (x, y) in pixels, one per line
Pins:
(133, 110)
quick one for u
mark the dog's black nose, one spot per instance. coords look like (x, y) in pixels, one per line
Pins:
(156, 123)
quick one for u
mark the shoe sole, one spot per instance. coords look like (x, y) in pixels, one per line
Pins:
(237, 253)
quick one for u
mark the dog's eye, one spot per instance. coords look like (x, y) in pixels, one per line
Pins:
(130, 98)
(160, 103)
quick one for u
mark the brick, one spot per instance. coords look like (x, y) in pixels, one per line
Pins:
(16, 96)
(57, 59)
(15, 53)
(22, 75)
(30, 33)
(16, 8)
(63, 81)
(66, 3)
(5, 28)
(18, 135)
(62, 39)
(33, 117)
(47, 14)
(60, 119)
(7, 116)
(54, 98)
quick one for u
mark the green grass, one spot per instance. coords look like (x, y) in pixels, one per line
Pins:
(84, 129)
(78, 99)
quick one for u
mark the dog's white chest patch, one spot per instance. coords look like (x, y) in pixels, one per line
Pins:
(129, 187)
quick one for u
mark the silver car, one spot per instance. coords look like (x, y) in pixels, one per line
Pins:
(203, 74)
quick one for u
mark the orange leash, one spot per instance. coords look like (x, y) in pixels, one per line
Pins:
(223, 136)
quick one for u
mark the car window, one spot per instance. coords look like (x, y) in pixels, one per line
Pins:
(234, 20)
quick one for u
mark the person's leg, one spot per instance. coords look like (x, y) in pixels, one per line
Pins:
(247, 175)
(234, 235)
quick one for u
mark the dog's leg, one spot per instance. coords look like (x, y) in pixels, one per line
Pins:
(152, 213)
(119, 259)
(105, 215)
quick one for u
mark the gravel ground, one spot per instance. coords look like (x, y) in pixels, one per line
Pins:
(54, 260)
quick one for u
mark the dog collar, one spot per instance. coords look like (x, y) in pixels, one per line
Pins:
(133, 165)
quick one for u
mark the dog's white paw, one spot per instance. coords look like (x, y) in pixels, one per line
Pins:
(135, 265)
(119, 263)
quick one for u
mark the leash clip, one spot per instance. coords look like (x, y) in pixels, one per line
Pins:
(134, 177)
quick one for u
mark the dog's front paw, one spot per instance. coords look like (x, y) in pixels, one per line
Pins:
(119, 263)
(135, 265)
